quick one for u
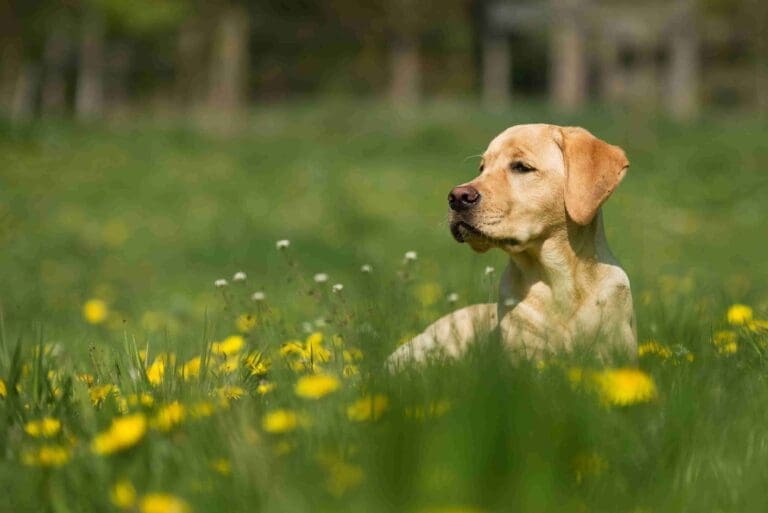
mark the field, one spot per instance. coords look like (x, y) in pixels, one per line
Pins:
(130, 382)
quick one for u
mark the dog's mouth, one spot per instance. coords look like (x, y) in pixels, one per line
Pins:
(462, 231)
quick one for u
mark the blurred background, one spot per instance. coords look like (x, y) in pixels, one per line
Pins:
(149, 147)
(92, 59)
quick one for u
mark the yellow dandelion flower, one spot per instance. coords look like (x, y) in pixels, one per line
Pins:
(95, 311)
(314, 348)
(123, 494)
(292, 348)
(265, 387)
(337, 340)
(231, 392)
(156, 371)
(46, 427)
(124, 432)
(367, 408)
(229, 346)
(316, 386)
(652, 347)
(222, 466)
(739, 315)
(352, 354)
(257, 363)
(169, 416)
(280, 421)
(191, 368)
(144, 399)
(245, 323)
(300, 366)
(46, 456)
(726, 341)
(229, 365)
(201, 409)
(162, 503)
(99, 393)
(622, 387)
(3, 389)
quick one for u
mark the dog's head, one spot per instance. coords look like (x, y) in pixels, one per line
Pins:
(533, 179)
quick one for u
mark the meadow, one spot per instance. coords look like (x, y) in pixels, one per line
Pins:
(132, 378)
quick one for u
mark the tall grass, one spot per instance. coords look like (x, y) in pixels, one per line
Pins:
(145, 218)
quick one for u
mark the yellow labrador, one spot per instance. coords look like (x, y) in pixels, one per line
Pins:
(538, 198)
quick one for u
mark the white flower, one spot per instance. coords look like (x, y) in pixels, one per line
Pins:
(283, 243)
(338, 287)
(320, 322)
(366, 268)
(510, 301)
(258, 296)
(220, 283)
(411, 255)
(321, 278)
(306, 327)
(489, 270)
(452, 297)
(239, 276)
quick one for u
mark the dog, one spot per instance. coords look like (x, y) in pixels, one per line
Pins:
(537, 197)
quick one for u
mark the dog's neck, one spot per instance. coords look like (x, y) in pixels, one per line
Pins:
(559, 269)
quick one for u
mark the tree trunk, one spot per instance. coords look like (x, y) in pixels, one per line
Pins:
(496, 71)
(54, 93)
(568, 77)
(228, 78)
(89, 97)
(683, 84)
(405, 85)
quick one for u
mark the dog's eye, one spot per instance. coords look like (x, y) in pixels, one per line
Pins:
(482, 167)
(520, 167)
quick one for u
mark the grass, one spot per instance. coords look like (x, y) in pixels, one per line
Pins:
(145, 217)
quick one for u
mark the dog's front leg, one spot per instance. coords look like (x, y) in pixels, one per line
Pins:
(449, 335)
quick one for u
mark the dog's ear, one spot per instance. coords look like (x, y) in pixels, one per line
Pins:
(593, 169)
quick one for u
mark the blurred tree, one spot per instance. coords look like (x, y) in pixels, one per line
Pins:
(229, 62)
(102, 22)
(21, 38)
(683, 70)
(89, 95)
(405, 23)
(568, 82)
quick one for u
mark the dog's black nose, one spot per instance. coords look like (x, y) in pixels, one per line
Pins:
(463, 197)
